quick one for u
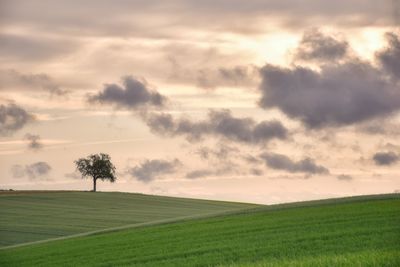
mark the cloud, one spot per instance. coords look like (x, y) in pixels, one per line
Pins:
(199, 174)
(273, 161)
(18, 171)
(32, 171)
(208, 78)
(239, 75)
(13, 118)
(223, 160)
(385, 158)
(316, 46)
(33, 48)
(149, 170)
(297, 14)
(338, 94)
(390, 56)
(34, 141)
(14, 80)
(282, 162)
(221, 152)
(380, 127)
(344, 177)
(150, 18)
(396, 12)
(133, 94)
(251, 159)
(209, 67)
(219, 124)
(73, 175)
(256, 172)
(224, 169)
(213, 77)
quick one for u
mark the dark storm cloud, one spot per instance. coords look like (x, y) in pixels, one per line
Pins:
(282, 162)
(33, 48)
(32, 171)
(13, 118)
(390, 56)
(220, 124)
(34, 141)
(316, 46)
(385, 158)
(149, 170)
(133, 94)
(14, 80)
(338, 94)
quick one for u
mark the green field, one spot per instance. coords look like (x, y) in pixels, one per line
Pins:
(33, 216)
(360, 231)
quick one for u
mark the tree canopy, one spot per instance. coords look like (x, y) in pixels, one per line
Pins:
(96, 166)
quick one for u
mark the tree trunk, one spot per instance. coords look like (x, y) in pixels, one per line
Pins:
(94, 184)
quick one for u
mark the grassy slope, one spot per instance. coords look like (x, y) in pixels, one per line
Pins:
(347, 232)
(32, 216)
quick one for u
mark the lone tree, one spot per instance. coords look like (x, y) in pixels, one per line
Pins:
(97, 166)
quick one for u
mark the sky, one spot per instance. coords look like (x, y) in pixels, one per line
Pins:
(253, 101)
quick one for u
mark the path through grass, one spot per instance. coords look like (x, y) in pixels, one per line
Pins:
(33, 216)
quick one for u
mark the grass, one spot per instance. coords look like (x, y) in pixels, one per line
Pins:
(361, 231)
(33, 216)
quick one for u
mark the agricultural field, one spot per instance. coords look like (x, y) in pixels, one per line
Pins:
(33, 216)
(359, 231)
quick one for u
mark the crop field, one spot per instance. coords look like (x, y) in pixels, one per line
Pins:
(359, 231)
(32, 216)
